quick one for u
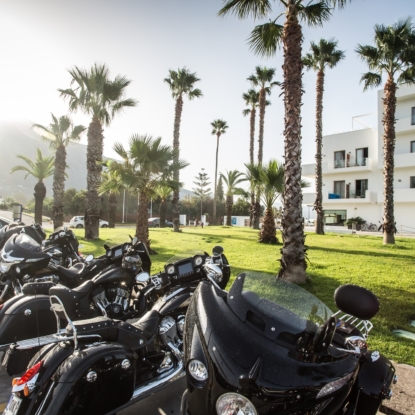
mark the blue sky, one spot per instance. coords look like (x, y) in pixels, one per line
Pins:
(142, 40)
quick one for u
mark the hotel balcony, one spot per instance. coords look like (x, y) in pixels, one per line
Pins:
(338, 167)
(404, 195)
(405, 125)
(364, 197)
(404, 160)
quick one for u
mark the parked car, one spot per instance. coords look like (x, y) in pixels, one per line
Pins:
(78, 222)
(309, 222)
(155, 223)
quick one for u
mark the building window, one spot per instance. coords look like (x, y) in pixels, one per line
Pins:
(361, 187)
(413, 115)
(361, 155)
(339, 158)
(339, 189)
(412, 182)
(412, 146)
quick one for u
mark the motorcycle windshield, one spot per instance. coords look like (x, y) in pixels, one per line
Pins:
(184, 255)
(276, 305)
(22, 243)
(116, 240)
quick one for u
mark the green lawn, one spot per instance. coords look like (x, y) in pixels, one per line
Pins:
(389, 271)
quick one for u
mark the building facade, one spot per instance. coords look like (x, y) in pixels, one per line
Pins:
(352, 169)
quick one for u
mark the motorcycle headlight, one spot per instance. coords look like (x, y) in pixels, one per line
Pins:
(234, 404)
(333, 386)
(197, 370)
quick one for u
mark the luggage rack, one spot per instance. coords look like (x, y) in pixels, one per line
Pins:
(364, 326)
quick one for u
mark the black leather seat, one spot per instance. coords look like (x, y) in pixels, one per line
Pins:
(37, 288)
(75, 271)
(149, 323)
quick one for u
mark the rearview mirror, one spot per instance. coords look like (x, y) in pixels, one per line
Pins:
(135, 240)
(89, 258)
(217, 250)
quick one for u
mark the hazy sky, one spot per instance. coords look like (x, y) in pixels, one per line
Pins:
(41, 39)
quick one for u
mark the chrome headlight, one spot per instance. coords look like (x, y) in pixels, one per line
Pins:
(334, 386)
(234, 404)
(197, 370)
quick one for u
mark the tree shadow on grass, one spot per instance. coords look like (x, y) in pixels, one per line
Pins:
(353, 252)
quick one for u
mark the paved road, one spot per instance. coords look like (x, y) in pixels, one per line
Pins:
(25, 218)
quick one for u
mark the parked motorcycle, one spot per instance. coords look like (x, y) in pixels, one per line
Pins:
(102, 366)
(280, 350)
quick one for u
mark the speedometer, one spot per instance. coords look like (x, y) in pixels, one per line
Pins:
(170, 269)
(198, 261)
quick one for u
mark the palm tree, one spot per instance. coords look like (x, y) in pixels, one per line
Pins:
(112, 185)
(181, 84)
(147, 166)
(232, 179)
(164, 194)
(394, 55)
(322, 55)
(251, 99)
(219, 128)
(40, 169)
(97, 95)
(264, 41)
(262, 79)
(59, 134)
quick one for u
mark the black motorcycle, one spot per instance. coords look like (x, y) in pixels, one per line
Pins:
(280, 350)
(101, 366)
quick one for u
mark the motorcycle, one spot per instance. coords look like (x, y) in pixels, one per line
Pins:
(278, 349)
(102, 366)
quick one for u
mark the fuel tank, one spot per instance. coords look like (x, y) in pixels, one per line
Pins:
(112, 275)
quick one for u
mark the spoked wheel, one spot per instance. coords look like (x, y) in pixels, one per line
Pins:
(373, 228)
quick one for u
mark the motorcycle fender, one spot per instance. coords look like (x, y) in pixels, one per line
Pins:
(26, 318)
(373, 381)
(178, 303)
(112, 275)
(100, 378)
(9, 303)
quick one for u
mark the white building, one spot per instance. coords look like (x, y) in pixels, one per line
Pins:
(352, 169)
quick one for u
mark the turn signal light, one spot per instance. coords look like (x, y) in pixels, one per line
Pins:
(26, 390)
(33, 371)
(15, 380)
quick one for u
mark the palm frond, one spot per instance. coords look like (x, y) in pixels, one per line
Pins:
(265, 39)
(371, 80)
(314, 14)
(245, 8)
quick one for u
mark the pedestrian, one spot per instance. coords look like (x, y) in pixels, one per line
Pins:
(196, 221)
(201, 224)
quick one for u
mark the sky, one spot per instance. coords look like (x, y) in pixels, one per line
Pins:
(40, 40)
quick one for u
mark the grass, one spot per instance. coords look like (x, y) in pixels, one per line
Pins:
(388, 271)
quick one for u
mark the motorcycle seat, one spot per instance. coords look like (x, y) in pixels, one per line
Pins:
(36, 288)
(73, 272)
(148, 323)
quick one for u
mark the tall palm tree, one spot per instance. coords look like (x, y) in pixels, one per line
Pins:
(181, 84)
(394, 55)
(263, 78)
(59, 134)
(164, 193)
(147, 166)
(251, 99)
(40, 169)
(232, 179)
(102, 98)
(219, 128)
(264, 41)
(112, 185)
(323, 55)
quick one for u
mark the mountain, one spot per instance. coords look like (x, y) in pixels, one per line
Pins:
(19, 138)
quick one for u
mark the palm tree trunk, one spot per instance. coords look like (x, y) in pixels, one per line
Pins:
(251, 160)
(293, 263)
(163, 210)
(176, 147)
(318, 203)
(39, 194)
(389, 108)
(216, 179)
(141, 227)
(59, 186)
(267, 234)
(93, 179)
(257, 209)
(261, 125)
(112, 209)
(229, 205)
